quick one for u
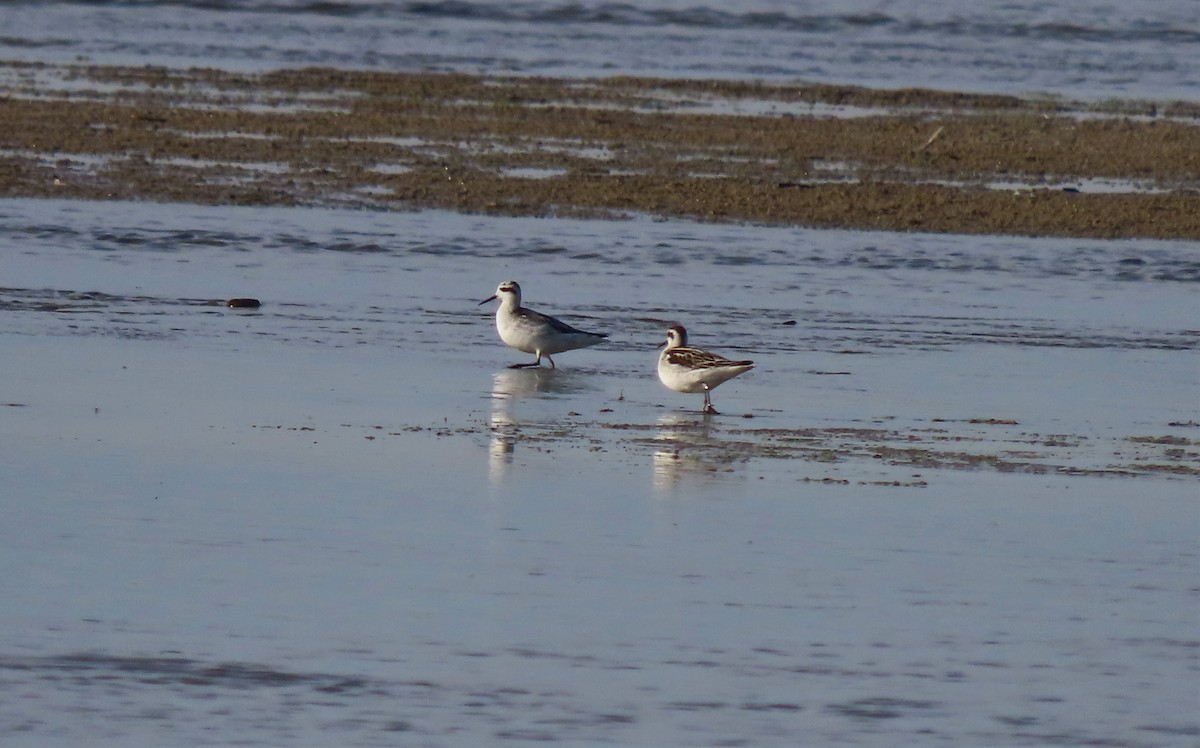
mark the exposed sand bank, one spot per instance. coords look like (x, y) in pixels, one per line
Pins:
(821, 156)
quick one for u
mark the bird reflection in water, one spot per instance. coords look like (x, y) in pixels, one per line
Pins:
(687, 447)
(510, 387)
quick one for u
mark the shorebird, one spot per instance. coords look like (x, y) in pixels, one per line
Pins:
(534, 332)
(686, 369)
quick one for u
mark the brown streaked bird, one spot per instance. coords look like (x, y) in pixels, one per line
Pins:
(685, 369)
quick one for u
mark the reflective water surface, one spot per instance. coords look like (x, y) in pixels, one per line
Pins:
(1092, 49)
(955, 501)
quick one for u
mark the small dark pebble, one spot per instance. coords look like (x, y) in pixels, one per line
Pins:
(243, 303)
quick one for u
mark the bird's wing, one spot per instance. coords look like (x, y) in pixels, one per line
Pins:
(556, 323)
(698, 359)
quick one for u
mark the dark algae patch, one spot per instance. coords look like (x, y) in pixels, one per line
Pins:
(908, 457)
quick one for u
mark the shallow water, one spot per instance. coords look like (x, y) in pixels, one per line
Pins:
(963, 509)
(1091, 49)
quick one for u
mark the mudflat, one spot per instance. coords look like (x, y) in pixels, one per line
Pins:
(801, 155)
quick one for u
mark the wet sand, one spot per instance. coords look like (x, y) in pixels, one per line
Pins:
(805, 155)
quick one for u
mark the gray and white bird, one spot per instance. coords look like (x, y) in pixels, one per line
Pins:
(534, 332)
(685, 369)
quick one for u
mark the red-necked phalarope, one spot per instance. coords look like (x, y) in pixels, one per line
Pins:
(534, 332)
(686, 369)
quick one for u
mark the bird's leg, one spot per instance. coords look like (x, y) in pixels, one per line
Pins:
(552, 366)
(708, 406)
(528, 366)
